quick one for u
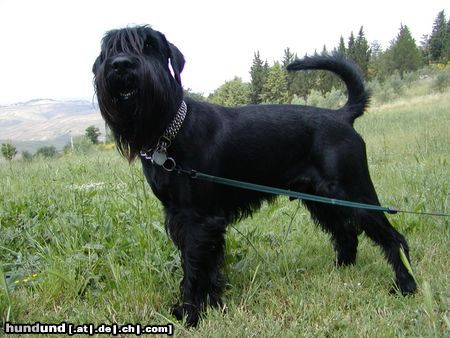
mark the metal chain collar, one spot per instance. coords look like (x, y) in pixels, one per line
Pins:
(159, 154)
(172, 130)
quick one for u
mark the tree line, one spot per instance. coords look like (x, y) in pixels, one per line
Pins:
(79, 144)
(273, 84)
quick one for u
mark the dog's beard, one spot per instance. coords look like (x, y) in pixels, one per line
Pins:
(135, 106)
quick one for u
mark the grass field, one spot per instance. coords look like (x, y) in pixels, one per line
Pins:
(82, 240)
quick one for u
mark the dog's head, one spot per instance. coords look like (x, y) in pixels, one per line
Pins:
(138, 85)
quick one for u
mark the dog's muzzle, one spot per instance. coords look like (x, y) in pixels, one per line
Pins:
(123, 77)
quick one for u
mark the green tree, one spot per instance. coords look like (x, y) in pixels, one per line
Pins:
(425, 48)
(46, 151)
(325, 80)
(341, 47)
(92, 133)
(375, 66)
(448, 40)
(304, 82)
(258, 76)
(275, 89)
(193, 95)
(405, 56)
(362, 52)
(358, 50)
(351, 46)
(290, 77)
(231, 93)
(8, 151)
(438, 45)
(442, 80)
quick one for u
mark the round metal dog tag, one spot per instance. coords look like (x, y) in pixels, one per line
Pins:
(159, 157)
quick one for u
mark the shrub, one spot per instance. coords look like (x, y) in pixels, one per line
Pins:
(46, 152)
(8, 151)
(79, 145)
(442, 81)
(27, 156)
(396, 83)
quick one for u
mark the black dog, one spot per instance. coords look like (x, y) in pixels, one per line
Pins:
(313, 150)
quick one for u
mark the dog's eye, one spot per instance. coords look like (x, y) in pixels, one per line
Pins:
(147, 44)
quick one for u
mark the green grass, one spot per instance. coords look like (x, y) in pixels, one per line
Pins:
(82, 240)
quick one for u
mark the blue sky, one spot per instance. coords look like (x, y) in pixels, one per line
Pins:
(48, 47)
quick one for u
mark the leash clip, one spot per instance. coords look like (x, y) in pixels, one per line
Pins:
(159, 158)
(169, 164)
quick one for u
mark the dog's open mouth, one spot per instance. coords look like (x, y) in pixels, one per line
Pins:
(126, 95)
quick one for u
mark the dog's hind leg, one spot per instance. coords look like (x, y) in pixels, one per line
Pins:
(201, 242)
(338, 222)
(340, 171)
(377, 227)
(344, 223)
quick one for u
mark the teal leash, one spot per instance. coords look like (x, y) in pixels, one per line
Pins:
(277, 191)
(308, 197)
(170, 165)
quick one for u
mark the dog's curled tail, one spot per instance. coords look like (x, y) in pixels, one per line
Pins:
(358, 96)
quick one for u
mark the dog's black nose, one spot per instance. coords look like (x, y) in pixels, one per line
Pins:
(122, 64)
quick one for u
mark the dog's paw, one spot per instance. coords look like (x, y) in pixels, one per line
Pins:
(343, 260)
(177, 311)
(406, 287)
(341, 263)
(186, 310)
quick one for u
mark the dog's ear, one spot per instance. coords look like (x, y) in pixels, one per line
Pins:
(95, 66)
(176, 61)
(176, 58)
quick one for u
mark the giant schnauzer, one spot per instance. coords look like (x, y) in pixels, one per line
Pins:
(307, 149)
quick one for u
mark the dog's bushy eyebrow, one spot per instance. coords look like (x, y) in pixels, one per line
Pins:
(129, 41)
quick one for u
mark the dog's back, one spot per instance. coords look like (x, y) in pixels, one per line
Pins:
(358, 96)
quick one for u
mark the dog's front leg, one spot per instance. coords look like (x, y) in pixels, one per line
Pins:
(201, 242)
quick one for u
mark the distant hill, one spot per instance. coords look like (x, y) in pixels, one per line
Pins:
(34, 123)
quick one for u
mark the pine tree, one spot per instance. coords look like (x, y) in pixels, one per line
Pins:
(304, 82)
(439, 39)
(358, 50)
(376, 49)
(425, 48)
(405, 55)
(351, 46)
(361, 54)
(290, 77)
(448, 40)
(288, 57)
(341, 48)
(258, 75)
(375, 66)
(326, 81)
(275, 88)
